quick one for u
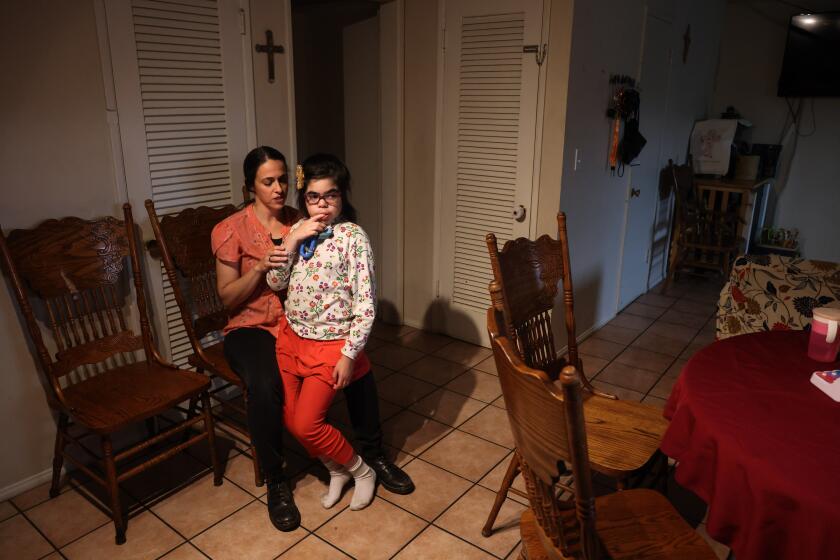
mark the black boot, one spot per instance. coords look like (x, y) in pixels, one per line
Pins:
(391, 476)
(282, 510)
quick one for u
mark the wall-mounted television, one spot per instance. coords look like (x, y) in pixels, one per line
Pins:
(811, 67)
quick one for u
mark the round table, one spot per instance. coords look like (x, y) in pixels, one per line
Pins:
(761, 445)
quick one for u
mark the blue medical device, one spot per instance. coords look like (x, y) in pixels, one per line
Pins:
(307, 247)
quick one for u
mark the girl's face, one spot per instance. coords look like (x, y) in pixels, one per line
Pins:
(323, 197)
(271, 184)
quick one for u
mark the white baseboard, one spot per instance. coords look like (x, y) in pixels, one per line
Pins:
(585, 334)
(28, 483)
(655, 281)
(591, 330)
(417, 324)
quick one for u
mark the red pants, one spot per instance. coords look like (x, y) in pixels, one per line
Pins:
(306, 367)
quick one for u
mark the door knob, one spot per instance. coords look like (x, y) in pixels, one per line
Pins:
(634, 193)
(519, 213)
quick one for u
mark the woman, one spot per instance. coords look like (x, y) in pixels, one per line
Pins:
(245, 251)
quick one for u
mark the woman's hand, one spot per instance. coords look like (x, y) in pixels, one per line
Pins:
(276, 257)
(234, 288)
(343, 372)
(313, 225)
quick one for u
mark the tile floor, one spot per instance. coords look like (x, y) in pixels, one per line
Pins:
(444, 422)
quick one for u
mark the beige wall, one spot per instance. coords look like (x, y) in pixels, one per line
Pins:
(593, 199)
(391, 62)
(362, 128)
(421, 51)
(55, 161)
(752, 49)
(276, 100)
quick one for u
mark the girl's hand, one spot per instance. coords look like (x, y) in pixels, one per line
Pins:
(276, 257)
(313, 225)
(343, 372)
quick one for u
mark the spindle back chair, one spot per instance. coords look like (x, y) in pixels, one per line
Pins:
(70, 277)
(549, 429)
(524, 290)
(184, 244)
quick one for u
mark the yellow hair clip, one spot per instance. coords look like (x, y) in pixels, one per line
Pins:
(299, 177)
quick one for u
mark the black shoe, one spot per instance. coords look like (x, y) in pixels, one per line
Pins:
(391, 476)
(282, 510)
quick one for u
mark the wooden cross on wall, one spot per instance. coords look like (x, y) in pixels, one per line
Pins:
(269, 48)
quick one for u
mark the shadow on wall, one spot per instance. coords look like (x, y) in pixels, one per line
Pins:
(585, 293)
(387, 312)
(41, 314)
(435, 317)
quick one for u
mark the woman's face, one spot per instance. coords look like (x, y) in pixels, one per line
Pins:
(271, 184)
(323, 197)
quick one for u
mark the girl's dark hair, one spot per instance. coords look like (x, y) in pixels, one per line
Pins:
(327, 166)
(255, 159)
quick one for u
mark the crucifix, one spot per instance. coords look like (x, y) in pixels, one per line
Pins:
(269, 48)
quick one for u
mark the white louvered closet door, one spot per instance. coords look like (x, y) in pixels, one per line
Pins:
(182, 112)
(489, 135)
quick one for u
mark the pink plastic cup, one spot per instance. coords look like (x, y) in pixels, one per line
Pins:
(824, 342)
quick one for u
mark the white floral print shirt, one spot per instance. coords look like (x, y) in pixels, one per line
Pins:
(332, 295)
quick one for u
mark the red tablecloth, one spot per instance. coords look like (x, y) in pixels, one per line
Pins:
(761, 445)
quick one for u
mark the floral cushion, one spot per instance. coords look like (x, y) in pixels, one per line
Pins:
(771, 292)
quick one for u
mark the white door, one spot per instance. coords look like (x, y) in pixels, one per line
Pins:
(489, 130)
(182, 80)
(274, 102)
(643, 193)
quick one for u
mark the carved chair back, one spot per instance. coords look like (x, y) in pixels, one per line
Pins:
(184, 242)
(548, 428)
(526, 275)
(73, 274)
(706, 224)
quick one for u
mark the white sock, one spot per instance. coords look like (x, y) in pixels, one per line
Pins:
(339, 477)
(365, 483)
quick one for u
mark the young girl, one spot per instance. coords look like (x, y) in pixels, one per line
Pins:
(329, 314)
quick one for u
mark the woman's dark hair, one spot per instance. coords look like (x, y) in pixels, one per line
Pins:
(327, 166)
(255, 159)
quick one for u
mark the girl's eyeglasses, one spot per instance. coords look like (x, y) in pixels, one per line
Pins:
(330, 197)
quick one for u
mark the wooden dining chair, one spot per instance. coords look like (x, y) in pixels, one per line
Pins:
(550, 421)
(705, 231)
(526, 275)
(102, 377)
(183, 241)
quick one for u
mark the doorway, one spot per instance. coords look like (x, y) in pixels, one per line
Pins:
(347, 57)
